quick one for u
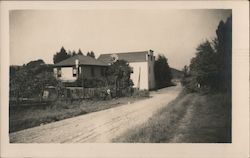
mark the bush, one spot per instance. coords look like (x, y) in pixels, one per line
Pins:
(189, 84)
(90, 83)
(140, 93)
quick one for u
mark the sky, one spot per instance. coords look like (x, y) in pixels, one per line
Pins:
(39, 34)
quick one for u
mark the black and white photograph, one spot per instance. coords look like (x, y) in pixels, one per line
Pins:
(121, 76)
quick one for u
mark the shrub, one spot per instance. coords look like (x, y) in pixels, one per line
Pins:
(140, 93)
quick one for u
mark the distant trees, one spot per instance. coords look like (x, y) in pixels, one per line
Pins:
(60, 56)
(185, 71)
(91, 54)
(74, 53)
(162, 71)
(211, 68)
(79, 52)
(63, 54)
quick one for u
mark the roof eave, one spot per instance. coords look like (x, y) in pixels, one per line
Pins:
(79, 65)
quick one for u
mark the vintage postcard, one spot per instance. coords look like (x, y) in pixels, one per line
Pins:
(124, 79)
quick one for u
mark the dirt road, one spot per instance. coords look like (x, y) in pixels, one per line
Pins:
(100, 126)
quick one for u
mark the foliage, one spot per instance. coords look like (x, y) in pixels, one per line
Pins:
(162, 71)
(190, 118)
(60, 56)
(74, 53)
(185, 71)
(91, 54)
(223, 46)
(31, 79)
(204, 67)
(118, 75)
(90, 83)
(140, 93)
(79, 52)
(211, 68)
(23, 117)
(63, 54)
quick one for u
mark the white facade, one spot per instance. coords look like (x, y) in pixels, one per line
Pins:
(140, 74)
(70, 74)
(143, 73)
(66, 74)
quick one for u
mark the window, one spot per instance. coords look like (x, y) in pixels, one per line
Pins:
(92, 71)
(74, 71)
(59, 72)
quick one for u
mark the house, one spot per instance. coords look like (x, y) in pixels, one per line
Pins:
(70, 69)
(142, 64)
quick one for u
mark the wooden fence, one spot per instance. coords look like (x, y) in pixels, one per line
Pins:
(84, 93)
(52, 94)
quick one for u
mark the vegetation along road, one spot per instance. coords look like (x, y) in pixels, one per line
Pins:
(102, 126)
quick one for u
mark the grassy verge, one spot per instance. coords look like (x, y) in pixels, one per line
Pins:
(26, 117)
(190, 118)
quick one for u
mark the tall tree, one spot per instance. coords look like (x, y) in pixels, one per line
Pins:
(185, 71)
(204, 67)
(223, 46)
(118, 74)
(162, 71)
(79, 52)
(73, 53)
(91, 54)
(211, 68)
(60, 56)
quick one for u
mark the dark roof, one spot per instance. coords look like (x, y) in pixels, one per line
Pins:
(83, 60)
(130, 56)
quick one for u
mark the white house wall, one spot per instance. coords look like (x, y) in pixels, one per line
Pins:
(67, 74)
(143, 75)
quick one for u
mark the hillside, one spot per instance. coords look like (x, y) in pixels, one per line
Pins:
(177, 74)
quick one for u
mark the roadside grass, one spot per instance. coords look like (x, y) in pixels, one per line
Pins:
(159, 128)
(210, 121)
(26, 117)
(190, 118)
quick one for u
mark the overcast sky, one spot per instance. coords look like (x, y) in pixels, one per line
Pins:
(175, 33)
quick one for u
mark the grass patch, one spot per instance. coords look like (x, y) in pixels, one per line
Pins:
(210, 121)
(23, 117)
(190, 118)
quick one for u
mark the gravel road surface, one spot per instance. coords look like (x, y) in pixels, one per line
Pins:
(100, 126)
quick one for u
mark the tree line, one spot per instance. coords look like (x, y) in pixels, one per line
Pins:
(163, 75)
(63, 54)
(211, 68)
